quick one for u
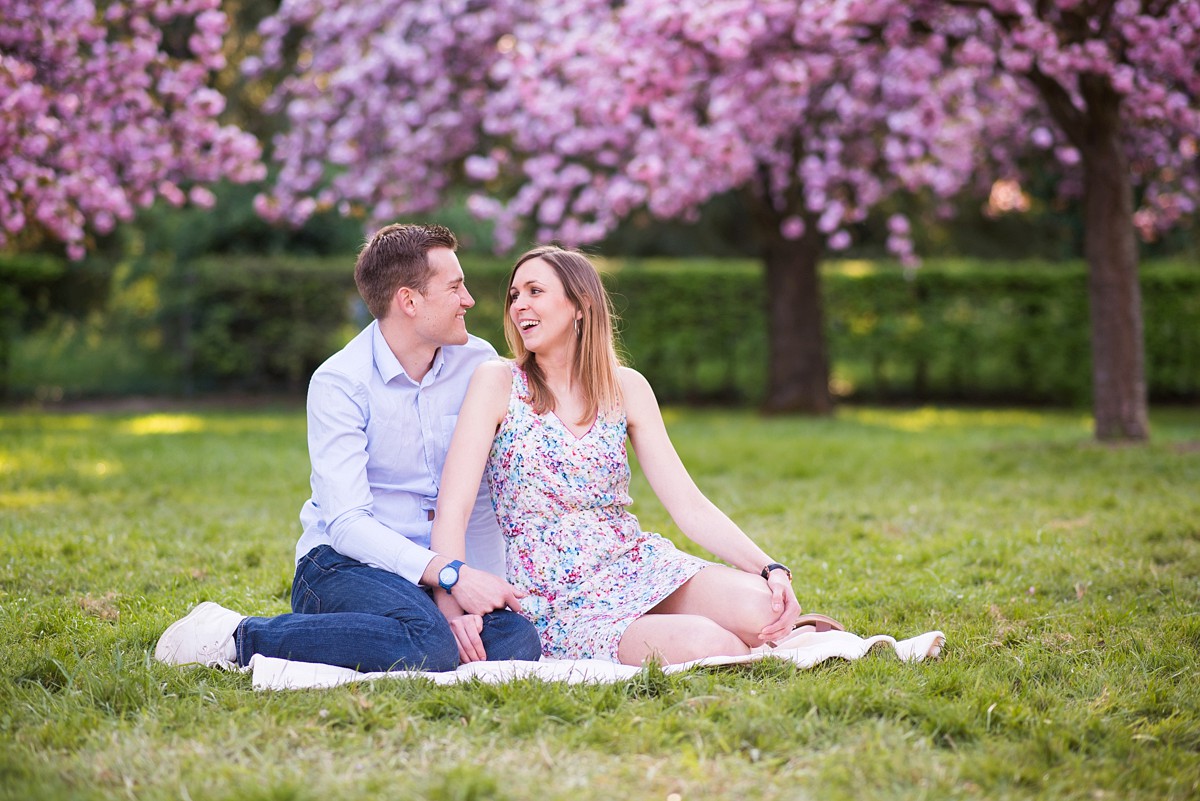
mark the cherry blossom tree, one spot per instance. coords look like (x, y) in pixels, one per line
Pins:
(574, 115)
(384, 100)
(571, 116)
(1120, 94)
(105, 107)
(814, 117)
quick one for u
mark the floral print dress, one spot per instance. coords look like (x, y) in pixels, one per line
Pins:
(569, 540)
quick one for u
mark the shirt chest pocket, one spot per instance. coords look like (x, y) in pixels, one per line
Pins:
(398, 451)
(401, 433)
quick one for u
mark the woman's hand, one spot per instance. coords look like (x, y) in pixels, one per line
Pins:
(784, 604)
(479, 592)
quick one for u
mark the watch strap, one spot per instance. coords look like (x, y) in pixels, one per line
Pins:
(766, 571)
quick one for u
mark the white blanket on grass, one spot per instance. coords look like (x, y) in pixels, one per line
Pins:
(805, 651)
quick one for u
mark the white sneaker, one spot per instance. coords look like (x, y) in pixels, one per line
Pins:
(204, 637)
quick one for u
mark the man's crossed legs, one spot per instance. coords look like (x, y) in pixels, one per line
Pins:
(348, 614)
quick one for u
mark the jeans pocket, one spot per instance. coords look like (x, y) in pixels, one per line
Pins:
(304, 600)
(320, 562)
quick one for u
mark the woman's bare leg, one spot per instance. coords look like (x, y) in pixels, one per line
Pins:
(717, 612)
(677, 638)
(733, 599)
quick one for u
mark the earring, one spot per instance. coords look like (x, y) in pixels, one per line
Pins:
(577, 328)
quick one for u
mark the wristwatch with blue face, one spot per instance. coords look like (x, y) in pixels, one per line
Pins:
(448, 575)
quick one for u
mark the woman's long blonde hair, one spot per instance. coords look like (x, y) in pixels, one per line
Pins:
(596, 359)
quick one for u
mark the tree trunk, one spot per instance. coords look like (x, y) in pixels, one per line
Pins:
(1115, 297)
(798, 370)
(1114, 294)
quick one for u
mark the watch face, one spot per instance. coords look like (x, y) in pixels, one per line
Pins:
(447, 575)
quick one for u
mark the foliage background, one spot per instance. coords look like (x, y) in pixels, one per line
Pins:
(956, 330)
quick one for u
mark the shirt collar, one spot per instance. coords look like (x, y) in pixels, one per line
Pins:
(389, 366)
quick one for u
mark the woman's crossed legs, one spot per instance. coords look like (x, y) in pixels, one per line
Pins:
(718, 612)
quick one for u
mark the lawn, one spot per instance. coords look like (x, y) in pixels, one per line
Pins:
(1065, 574)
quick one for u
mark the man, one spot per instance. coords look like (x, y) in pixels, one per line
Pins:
(380, 415)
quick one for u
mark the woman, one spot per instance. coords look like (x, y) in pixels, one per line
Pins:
(549, 428)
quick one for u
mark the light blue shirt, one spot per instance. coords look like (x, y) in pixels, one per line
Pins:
(377, 441)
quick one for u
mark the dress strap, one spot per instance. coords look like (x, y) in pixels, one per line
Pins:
(520, 382)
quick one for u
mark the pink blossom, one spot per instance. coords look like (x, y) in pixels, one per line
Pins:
(202, 197)
(591, 111)
(171, 193)
(481, 168)
(792, 227)
(148, 125)
(898, 224)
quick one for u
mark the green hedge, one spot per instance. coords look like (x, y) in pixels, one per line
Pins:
(263, 323)
(987, 334)
(698, 331)
(1010, 334)
(950, 332)
(21, 278)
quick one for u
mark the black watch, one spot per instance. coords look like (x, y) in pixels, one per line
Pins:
(766, 571)
(448, 575)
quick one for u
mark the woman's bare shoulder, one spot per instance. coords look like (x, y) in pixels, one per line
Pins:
(492, 378)
(633, 384)
(495, 369)
(637, 395)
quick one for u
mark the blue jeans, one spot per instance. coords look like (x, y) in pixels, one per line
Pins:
(349, 614)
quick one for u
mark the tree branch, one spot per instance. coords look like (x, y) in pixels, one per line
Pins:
(1058, 100)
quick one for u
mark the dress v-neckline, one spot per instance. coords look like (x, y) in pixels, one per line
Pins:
(562, 424)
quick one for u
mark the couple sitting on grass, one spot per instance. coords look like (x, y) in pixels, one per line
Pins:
(400, 562)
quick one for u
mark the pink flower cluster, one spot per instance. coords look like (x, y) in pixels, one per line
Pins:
(387, 99)
(1137, 59)
(572, 115)
(97, 118)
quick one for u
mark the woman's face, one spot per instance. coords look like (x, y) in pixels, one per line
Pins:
(539, 307)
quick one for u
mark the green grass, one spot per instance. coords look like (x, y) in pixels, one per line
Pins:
(1065, 574)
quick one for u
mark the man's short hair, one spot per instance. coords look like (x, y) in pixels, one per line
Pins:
(397, 256)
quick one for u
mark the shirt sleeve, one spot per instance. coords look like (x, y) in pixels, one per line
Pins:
(337, 447)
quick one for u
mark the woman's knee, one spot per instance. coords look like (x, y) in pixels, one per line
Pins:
(735, 599)
(739, 603)
(757, 610)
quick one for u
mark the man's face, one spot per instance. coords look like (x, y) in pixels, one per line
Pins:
(443, 305)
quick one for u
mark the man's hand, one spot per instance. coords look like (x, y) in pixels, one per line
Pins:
(467, 629)
(479, 592)
(784, 603)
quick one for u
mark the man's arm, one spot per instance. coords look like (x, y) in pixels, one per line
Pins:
(337, 444)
